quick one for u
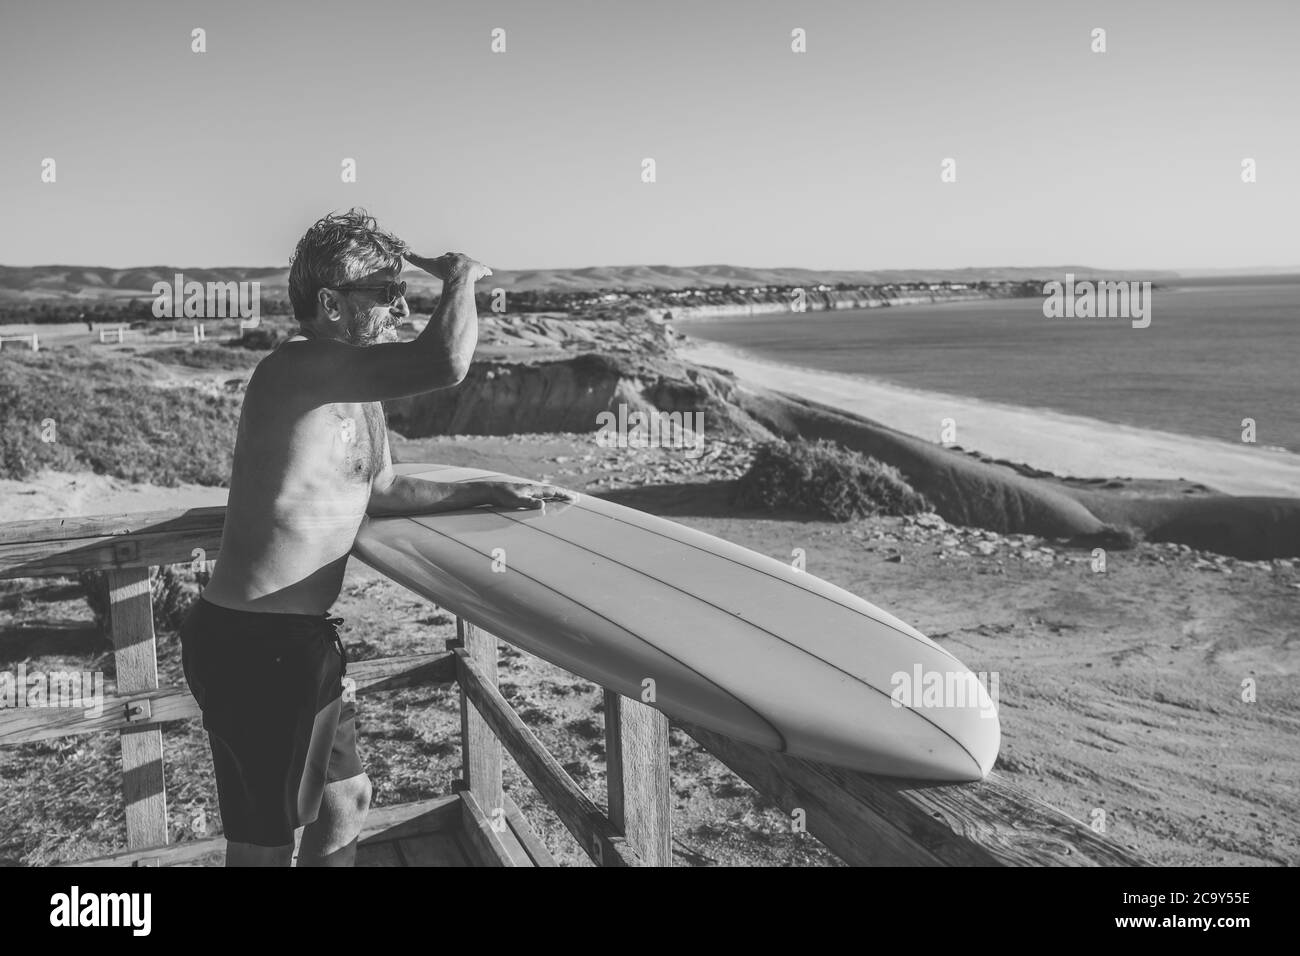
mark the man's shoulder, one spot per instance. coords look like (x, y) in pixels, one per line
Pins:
(301, 371)
(294, 353)
(288, 367)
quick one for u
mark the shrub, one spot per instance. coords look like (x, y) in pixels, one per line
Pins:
(821, 478)
(22, 450)
(111, 419)
(203, 357)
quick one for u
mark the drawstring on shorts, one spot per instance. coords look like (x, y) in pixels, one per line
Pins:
(334, 623)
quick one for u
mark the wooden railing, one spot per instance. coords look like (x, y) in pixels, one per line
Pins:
(865, 820)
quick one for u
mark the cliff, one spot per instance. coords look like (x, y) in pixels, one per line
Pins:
(567, 394)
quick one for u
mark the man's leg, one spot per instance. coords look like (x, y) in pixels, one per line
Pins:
(331, 840)
(250, 854)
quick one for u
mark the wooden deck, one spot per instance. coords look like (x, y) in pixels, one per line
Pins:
(450, 830)
(432, 849)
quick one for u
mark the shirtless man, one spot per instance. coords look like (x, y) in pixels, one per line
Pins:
(311, 463)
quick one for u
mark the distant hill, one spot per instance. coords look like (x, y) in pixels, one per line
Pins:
(97, 283)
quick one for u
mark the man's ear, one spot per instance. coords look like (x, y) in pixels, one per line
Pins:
(331, 303)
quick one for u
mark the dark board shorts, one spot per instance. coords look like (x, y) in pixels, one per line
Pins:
(271, 690)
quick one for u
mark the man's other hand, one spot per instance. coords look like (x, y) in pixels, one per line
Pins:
(522, 494)
(449, 266)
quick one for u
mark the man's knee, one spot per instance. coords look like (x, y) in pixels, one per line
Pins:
(348, 800)
(331, 840)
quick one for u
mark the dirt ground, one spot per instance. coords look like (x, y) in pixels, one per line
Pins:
(1121, 693)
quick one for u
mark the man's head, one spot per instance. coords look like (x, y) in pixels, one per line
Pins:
(342, 279)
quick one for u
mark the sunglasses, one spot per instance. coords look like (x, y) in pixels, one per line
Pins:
(391, 291)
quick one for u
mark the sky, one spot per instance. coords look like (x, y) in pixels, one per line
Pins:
(532, 158)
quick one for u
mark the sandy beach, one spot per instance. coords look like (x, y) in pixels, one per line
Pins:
(1053, 441)
(57, 494)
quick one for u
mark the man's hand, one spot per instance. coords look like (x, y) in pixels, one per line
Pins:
(405, 495)
(451, 266)
(521, 494)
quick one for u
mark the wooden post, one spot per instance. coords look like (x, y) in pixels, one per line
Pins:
(480, 748)
(638, 777)
(143, 787)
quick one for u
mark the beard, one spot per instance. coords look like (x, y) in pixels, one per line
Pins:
(372, 327)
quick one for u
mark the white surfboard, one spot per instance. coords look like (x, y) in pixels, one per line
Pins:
(726, 638)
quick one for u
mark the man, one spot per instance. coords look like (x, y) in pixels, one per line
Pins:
(311, 462)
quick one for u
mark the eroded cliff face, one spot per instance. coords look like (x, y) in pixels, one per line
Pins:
(569, 395)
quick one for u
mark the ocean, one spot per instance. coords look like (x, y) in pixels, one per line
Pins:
(1217, 351)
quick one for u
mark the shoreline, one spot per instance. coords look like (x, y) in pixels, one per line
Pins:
(1067, 445)
(824, 301)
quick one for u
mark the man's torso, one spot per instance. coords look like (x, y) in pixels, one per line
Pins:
(299, 490)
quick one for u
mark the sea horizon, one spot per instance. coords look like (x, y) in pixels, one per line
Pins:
(1218, 351)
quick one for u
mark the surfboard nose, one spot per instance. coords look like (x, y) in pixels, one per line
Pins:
(962, 750)
(936, 721)
(982, 736)
(975, 732)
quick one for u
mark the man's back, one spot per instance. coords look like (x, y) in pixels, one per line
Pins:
(298, 493)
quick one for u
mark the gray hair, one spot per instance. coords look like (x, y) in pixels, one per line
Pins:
(342, 247)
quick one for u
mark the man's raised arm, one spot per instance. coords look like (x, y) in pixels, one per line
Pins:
(331, 371)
